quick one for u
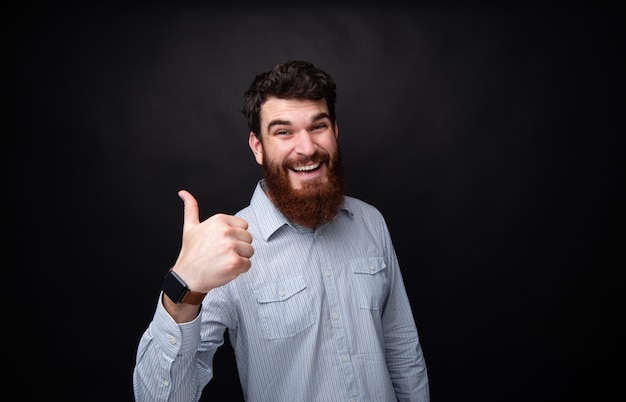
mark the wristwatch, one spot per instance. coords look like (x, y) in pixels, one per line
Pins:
(176, 289)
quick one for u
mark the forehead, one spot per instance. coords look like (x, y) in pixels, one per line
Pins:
(291, 109)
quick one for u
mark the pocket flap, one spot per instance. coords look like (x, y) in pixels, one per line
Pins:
(367, 265)
(279, 291)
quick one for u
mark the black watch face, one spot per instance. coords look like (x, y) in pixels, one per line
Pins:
(174, 287)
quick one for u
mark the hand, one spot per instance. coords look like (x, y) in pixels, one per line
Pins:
(213, 252)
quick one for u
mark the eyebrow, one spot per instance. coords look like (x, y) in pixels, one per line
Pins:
(279, 122)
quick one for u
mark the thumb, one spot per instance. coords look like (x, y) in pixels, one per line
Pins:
(191, 212)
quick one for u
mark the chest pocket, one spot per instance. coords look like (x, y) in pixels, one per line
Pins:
(285, 307)
(371, 282)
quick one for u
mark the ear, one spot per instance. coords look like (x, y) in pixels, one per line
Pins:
(336, 130)
(256, 147)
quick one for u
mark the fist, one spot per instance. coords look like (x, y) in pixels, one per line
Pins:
(213, 252)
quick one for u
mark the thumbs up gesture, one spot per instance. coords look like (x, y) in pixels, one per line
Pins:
(213, 252)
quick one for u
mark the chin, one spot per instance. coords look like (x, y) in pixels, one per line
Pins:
(310, 185)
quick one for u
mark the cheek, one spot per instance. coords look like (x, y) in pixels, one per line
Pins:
(277, 153)
(329, 145)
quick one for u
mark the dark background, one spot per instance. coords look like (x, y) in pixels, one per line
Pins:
(490, 137)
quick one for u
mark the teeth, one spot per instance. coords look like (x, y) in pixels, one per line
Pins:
(306, 168)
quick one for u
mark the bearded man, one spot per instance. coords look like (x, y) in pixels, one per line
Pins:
(305, 278)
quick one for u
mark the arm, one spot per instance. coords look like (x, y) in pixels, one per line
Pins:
(405, 359)
(168, 366)
(174, 361)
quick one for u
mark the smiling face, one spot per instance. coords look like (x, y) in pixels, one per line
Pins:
(300, 158)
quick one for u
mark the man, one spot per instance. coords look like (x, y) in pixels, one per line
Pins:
(305, 278)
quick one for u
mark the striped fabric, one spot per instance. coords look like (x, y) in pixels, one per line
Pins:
(322, 315)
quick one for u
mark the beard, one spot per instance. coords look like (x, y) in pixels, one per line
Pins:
(317, 201)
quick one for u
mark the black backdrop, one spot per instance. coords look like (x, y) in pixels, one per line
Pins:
(489, 136)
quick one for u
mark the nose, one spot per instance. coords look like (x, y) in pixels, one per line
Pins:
(305, 144)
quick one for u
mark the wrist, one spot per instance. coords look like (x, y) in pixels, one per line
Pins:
(177, 290)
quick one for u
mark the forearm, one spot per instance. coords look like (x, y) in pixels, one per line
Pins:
(408, 373)
(158, 378)
(166, 366)
(405, 358)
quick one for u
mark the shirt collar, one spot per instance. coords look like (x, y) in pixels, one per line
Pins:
(270, 219)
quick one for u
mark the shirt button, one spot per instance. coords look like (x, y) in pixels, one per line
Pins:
(165, 383)
(335, 316)
(172, 339)
(344, 358)
(328, 274)
(372, 268)
(281, 293)
(352, 399)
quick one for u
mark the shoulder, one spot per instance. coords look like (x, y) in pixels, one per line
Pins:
(363, 212)
(357, 205)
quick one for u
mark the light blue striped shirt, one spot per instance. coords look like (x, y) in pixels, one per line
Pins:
(322, 315)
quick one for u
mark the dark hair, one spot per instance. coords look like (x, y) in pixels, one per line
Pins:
(294, 79)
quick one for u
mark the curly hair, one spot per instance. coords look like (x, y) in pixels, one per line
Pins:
(295, 79)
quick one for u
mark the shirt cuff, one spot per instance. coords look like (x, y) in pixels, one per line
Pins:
(173, 338)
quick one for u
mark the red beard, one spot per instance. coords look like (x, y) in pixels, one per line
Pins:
(317, 201)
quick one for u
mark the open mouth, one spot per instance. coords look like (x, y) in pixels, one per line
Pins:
(306, 168)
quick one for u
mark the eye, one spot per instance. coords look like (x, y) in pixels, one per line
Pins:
(321, 126)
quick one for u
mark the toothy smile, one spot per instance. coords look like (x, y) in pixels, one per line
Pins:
(306, 168)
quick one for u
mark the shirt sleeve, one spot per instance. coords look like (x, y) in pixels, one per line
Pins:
(168, 365)
(405, 359)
